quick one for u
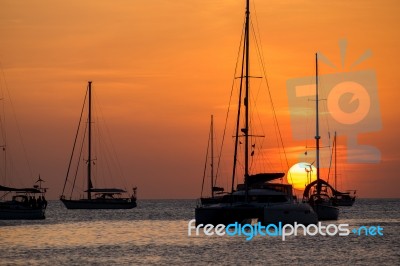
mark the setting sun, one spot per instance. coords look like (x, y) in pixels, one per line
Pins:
(301, 174)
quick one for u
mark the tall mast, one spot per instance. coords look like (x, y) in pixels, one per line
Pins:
(335, 162)
(89, 163)
(246, 99)
(317, 136)
(212, 155)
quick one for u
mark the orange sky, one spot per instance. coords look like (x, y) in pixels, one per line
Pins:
(160, 68)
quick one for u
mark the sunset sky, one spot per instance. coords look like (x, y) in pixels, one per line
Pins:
(160, 68)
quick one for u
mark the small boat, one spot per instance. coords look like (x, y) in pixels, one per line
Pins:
(96, 198)
(25, 203)
(216, 193)
(16, 203)
(260, 196)
(318, 193)
(342, 198)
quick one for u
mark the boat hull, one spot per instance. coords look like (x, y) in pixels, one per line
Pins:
(326, 212)
(288, 213)
(226, 214)
(343, 201)
(302, 213)
(99, 204)
(22, 214)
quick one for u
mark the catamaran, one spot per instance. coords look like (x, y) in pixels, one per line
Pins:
(262, 196)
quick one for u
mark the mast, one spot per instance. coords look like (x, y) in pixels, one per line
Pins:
(244, 130)
(317, 136)
(89, 162)
(246, 100)
(335, 161)
(212, 155)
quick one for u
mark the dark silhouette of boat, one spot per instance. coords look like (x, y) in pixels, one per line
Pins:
(96, 198)
(25, 203)
(260, 197)
(216, 193)
(341, 198)
(16, 203)
(344, 198)
(318, 193)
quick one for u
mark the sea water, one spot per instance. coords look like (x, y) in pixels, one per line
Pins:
(156, 232)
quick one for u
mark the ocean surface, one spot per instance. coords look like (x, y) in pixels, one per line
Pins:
(156, 232)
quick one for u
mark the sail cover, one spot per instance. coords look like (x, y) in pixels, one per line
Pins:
(106, 190)
(27, 190)
(263, 177)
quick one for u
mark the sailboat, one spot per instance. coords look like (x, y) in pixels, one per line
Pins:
(215, 192)
(318, 192)
(341, 198)
(96, 198)
(26, 203)
(258, 197)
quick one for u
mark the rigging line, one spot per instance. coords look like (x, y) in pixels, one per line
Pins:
(239, 109)
(255, 104)
(79, 160)
(258, 116)
(103, 151)
(330, 162)
(261, 63)
(230, 100)
(3, 118)
(215, 176)
(113, 158)
(325, 107)
(73, 147)
(205, 165)
(16, 122)
(254, 139)
(308, 121)
(270, 97)
(3, 126)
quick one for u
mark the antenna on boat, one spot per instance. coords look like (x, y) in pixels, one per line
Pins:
(40, 180)
(309, 172)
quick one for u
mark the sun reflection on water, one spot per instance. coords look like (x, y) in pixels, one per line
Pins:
(92, 233)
